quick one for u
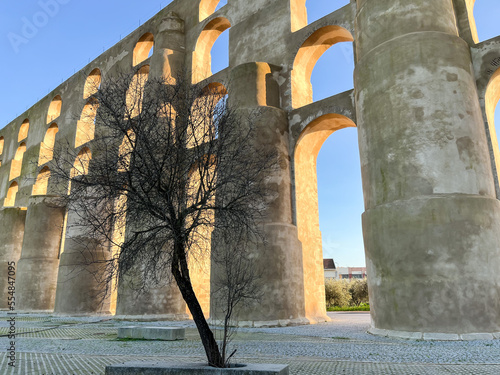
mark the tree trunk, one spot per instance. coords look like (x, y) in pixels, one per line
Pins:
(180, 272)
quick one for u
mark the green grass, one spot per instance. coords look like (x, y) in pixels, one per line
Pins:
(362, 307)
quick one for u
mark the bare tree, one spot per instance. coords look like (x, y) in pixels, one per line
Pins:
(173, 165)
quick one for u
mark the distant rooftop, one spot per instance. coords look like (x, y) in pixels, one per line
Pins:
(328, 264)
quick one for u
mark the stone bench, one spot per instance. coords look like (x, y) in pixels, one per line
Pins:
(159, 368)
(152, 333)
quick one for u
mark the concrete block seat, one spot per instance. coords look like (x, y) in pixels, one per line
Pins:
(152, 333)
(160, 368)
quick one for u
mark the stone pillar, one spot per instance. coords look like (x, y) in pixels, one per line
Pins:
(160, 301)
(39, 263)
(11, 241)
(168, 57)
(431, 225)
(81, 289)
(254, 87)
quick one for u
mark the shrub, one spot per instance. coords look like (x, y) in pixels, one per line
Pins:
(359, 291)
(343, 293)
(337, 293)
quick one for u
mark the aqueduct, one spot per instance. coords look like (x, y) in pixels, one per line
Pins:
(423, 102)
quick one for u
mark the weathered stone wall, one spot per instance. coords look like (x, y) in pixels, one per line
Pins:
(423, 98)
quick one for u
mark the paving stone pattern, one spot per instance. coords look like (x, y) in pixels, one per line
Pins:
(49, 345)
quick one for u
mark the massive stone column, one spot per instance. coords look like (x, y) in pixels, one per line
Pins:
(431, 225)
(11, 241)
(161, 301)
(81, 287)
(39, 263)
(140, 301)
(168, 58)
(280, 261)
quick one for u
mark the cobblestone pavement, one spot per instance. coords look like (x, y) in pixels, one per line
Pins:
(50, 345)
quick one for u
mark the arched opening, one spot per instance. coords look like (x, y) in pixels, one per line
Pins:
(304, 12)
(17, 162)
(82, 162)
(483, 18)
(23, 130)
(333, 73)
(92, 83)
(220, 53)
(208, 7)
(42, 181)
(81, 165)
(202, 57)
(85, 127)
(492, 98)
(143, 49)
(307, 57)
(47, 146)
(125, 151)
(306, 184)
(10, 199)
(54, 109)
(135, 92)
(1, 145)
(204, 112)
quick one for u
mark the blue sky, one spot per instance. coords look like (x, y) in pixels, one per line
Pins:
(68, 37)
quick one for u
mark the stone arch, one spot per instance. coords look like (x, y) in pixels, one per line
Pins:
(23, 130)
(80, 165)
(1, 145)
(492, 98)
(10, 199)
(82, 162)
(202, 60)
(306, 152)
(17, 162)
(143, 48)
(42, 181)
(92, 83)
(47, 146)
(202, 112)
(85, 127)
(54, 109)
(307, 57)
(207, 8)
(135, 92)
